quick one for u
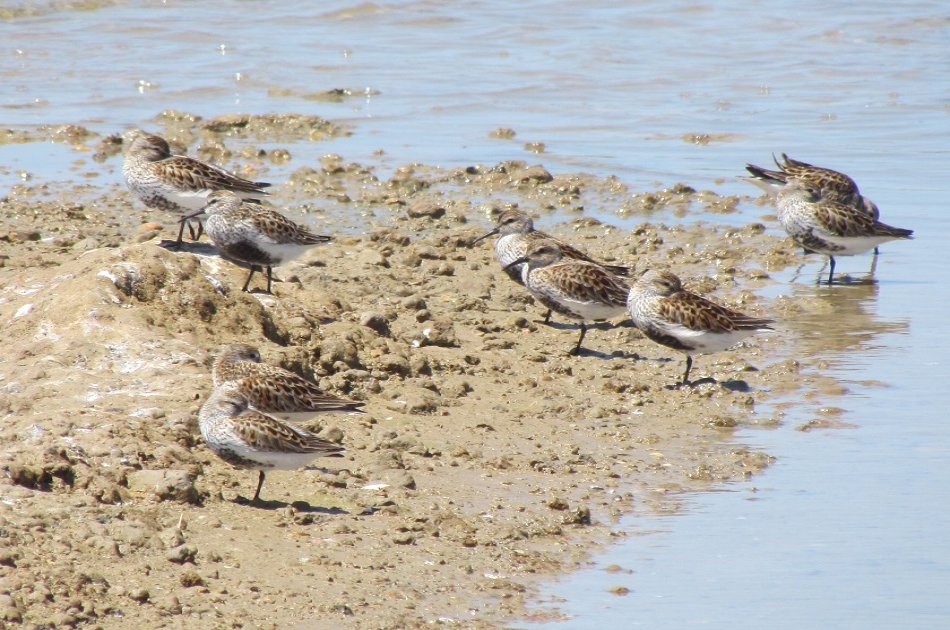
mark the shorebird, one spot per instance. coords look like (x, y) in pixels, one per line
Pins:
(578, 289)
(176, 182)
(831, 228)
(272, 389)
(684, 321)
(249, 439)
(516, 235)
(254, 235)
(829, 185)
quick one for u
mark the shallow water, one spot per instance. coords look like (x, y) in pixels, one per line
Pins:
(849, 527)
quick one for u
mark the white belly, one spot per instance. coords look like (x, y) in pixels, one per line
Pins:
(192, 200)
(273, 459)
(703, 342)
(593, 310)
(283, 251)
(852, 245)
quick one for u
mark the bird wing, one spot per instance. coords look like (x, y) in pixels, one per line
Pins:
(196, 175)
(840, 219)
(275, 389)
(832, 185)
(584, 282)
(696, 313)
(267, 433)
(278, 228)
(765, 175)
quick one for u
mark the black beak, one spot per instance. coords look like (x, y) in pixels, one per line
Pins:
(193, 214)
(484, 236)
(519, 261)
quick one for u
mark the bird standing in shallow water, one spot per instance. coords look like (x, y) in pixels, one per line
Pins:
(829, 227)
(684, 321)
(825, 186)
(516, 236)
(575, 288)
(254, 235)
(246, 438)
(829, 185)
(274, 390)
(176, 182)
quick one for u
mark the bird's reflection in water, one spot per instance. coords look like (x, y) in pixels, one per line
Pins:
(841, 278)
(841, 318)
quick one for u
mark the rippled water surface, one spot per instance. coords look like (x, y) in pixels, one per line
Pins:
(850, 527)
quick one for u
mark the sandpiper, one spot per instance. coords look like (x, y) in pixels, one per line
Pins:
(830, 185)
(254, 235)
(249, 439)
(684, 321)
(516, 235)
(578, 289)
(829, 227)
(176, 182)
(272, 389)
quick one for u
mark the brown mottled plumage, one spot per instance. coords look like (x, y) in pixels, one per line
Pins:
(272, 389)
(575, 288)
(828, 184)
(254, 235)
(188, 173)
(516, 236)
(845, 220)
(829, 227)
(518, 224)
(177, 182)
(247, 438)
(684, 321)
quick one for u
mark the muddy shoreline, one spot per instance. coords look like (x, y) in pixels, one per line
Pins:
(489, 458)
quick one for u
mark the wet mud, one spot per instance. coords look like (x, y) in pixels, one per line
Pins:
(489, 458)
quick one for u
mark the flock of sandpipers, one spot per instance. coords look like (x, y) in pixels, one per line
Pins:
(249, 418)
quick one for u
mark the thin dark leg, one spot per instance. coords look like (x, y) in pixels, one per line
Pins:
(832, 272)
(580, 340)
(547, 317)
(876, 252)
(689, 364)
(181, 232)
(201, 230)
(260, 482)
(248, 281)
(270, 273)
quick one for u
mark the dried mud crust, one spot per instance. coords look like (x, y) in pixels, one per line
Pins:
(488, 458)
